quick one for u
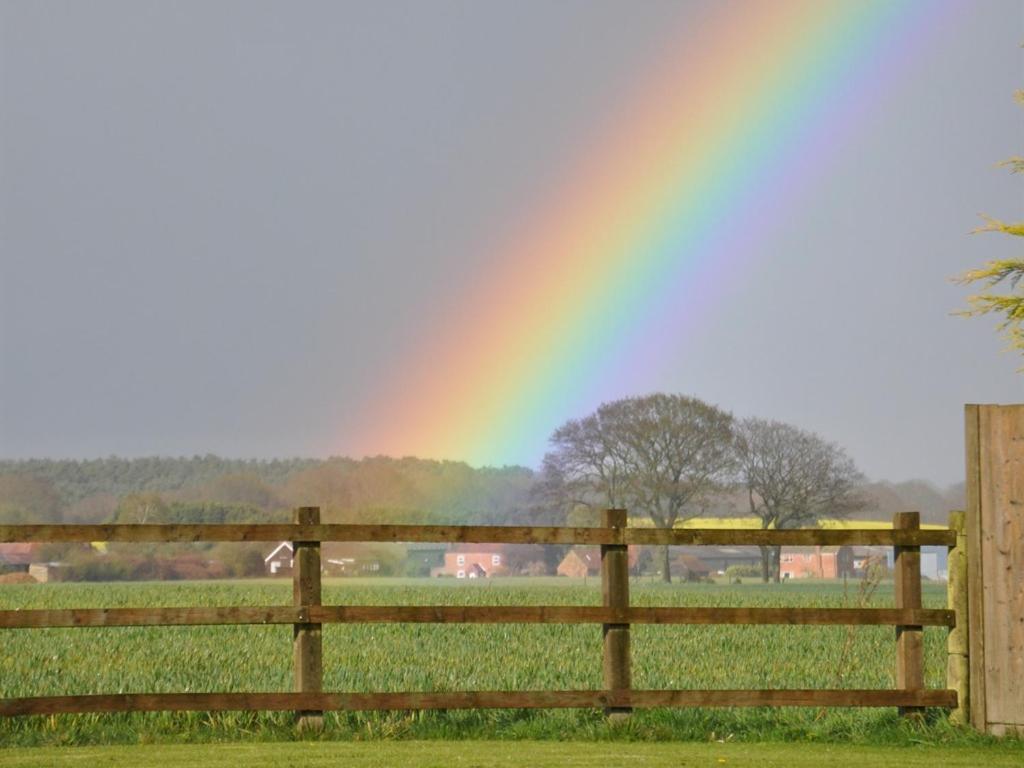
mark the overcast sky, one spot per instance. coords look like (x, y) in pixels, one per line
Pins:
(219, 220)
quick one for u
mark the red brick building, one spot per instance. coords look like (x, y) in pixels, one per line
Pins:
(816, 562)
(473, 561)
(17, 557)
(581, 562)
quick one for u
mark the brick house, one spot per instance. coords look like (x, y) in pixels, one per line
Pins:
(581, 562)
(816, 562)
(16, 558)
(473, 561)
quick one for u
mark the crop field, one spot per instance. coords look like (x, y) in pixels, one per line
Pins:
(423, 657)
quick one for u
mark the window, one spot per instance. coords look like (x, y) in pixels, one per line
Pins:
(496, 560)
(460, 559)
(460, 575)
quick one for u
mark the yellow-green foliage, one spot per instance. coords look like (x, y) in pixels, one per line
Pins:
(1009, 305)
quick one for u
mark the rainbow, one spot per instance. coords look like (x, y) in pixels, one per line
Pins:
(737, 123)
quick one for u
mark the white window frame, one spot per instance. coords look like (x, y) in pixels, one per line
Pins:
(495, 559)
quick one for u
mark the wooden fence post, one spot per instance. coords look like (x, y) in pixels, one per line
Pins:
(615, 590)
(308, 639)
(909, 639)
(958, 672)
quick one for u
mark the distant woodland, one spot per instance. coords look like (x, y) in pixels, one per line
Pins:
(380, 489)
(210, 489)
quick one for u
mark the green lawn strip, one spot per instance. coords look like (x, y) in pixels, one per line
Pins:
(497, 754)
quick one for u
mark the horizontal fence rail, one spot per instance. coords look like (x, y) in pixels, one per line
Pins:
(321, 702)
(458, 614)
(307, 615)
(476, 534)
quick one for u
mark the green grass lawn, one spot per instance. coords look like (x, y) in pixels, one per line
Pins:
(530, 754)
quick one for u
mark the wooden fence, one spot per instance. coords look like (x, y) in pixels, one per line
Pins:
(307, 615)
(990, 651)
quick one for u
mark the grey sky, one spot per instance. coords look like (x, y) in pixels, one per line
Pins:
(219, 220)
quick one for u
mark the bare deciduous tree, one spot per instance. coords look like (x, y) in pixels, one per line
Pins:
(659, 455)
(792, 478)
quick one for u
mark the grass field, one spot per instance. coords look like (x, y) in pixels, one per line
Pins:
(432, 657)
(534, 754)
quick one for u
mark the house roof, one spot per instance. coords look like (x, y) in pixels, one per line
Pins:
(589, 556)
(483, 548)
(718, 554)
(16, 554)
(592, 556)
(283, 545)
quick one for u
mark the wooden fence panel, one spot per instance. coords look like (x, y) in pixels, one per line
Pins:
(995, 535)
(307, 615)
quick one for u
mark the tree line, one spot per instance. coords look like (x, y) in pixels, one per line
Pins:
(665, 458)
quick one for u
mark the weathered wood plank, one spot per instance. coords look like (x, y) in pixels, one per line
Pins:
(909, 638)
(615, 595)
(472, 534)
(49, 705)
(465, 614)
(307, 635)
(147, 617)
(1001, 507)
(797, 616)
(976, 658)
(957, 643)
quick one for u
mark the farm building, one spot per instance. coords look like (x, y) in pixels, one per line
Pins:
(336, 559)
(933, 561)
(717, 559)
(349, 559)
(44, 572)
(816, 562)
(472, 561)
(865, 557)
(16, 558)
(581, 562)
(424, 557)
(280, 560)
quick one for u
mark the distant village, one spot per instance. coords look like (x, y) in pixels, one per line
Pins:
(689, 563)
(27, 562)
